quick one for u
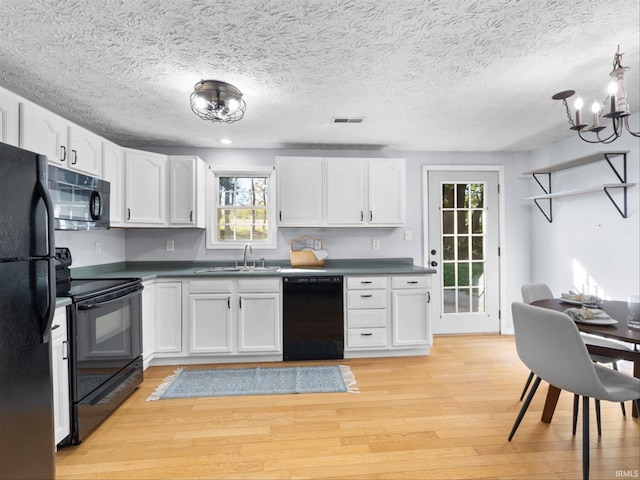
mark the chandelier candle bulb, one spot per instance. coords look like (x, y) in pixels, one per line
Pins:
(578, 106)
(595, 108)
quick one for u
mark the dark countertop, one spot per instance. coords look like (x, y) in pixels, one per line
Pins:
(152, 270)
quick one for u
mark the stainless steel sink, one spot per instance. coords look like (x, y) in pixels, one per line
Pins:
(247, 269)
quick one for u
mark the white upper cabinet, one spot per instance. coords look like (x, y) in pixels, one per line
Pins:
(86, 151)
(9, 118)
(43, 132)
(387, 191)
(64, 143)
(340, 192)
(145, 188)
(346, 191)
(186, 191)
(113, 172)
(300, 189)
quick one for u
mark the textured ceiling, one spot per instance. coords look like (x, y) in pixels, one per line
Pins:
(431, 75)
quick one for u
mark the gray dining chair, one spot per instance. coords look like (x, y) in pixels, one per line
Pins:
(532, 292)
(549, 344)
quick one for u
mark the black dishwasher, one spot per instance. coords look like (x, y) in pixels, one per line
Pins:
(313, 318)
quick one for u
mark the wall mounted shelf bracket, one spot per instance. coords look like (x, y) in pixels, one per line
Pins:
(543, 177)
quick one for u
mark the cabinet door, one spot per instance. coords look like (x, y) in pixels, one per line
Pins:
(210, 326)
(85, 153)
(113, 172)
(409, 319)
(300, 191)
(346, 191)
(45, 133)
(183, 191)
(148, 320)
(387, 191)
(168, 317)
(145, 188)
(259, 323)
(60, 376)
(9, 118)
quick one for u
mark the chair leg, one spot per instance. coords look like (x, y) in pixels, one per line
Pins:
(624, 411)
(525, 405)
(585, 438)
(526, 385)
(598, 417)
(576, 401)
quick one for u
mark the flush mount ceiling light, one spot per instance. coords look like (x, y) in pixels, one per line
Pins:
(615, 104)
(217, 101)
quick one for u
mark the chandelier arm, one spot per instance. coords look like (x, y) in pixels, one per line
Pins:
(626, 124)
(597, 141)
(610, 139)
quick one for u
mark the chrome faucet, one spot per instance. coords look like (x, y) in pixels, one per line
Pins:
(244, 262)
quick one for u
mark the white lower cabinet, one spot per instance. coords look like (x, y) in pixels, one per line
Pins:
(210, 315)
(410, 311)
(60, 375)
(167, 327)
(148, 320)
(367, 313)
(235, 317)
(387, 316)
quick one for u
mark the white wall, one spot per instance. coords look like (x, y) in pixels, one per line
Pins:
(588, 239)
(111, 244)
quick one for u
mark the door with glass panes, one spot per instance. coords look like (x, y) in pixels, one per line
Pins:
(463, 247)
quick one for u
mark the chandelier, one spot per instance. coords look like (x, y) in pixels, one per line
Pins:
(217, 101)
(614, 107)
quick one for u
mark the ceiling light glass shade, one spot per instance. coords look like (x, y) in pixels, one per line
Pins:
(217, 101)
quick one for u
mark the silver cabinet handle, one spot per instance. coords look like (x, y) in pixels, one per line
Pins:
(75, 157)
(366, 334)
(64, 153)
(366, 296)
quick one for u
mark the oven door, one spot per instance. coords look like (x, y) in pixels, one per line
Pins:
(107, 338)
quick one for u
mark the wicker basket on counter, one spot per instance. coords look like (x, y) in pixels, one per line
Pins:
(305, 258)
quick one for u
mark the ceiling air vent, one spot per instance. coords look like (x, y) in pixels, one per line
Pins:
(348, 120)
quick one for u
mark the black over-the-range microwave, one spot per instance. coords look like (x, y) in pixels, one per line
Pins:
(80, 202)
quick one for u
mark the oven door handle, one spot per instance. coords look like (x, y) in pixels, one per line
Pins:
(90, 306)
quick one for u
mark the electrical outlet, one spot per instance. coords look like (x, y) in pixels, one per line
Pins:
(408, 235)
(98, 248)
(170, 245)
(375, 244)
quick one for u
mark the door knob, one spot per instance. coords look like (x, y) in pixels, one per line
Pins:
(434, 263)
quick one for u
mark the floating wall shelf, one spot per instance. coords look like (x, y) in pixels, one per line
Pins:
(546, 185)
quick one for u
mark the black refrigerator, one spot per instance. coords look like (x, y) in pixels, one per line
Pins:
(27, 305)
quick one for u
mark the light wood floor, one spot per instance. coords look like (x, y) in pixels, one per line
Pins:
(445, 416)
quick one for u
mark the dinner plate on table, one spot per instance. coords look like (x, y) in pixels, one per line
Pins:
(572, 302)
(597, 321)
(599, 318)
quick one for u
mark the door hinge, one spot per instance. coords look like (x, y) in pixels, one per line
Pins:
(498, 188)
(499, 314)
(499, 251)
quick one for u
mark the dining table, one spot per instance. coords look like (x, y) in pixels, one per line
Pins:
(617, 310)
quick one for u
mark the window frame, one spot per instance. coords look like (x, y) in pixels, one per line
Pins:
(213, 198)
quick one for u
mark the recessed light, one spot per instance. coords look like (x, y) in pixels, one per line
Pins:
(226, 141)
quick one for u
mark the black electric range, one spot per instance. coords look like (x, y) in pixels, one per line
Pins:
(105, 344)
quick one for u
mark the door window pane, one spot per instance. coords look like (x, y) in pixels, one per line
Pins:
(463, 247)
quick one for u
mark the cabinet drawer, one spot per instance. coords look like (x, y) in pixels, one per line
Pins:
(367, 299)
(367, 318)
(410, 281)
(260, 285)
(356, 283)
(367, 337)
(210, 286)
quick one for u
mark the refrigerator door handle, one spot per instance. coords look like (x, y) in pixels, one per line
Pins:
(47, 319)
